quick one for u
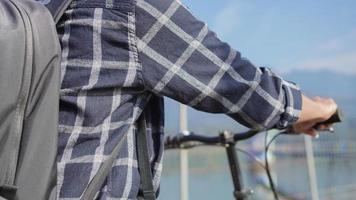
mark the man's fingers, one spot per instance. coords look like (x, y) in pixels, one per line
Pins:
(312, 132)
(323, 127)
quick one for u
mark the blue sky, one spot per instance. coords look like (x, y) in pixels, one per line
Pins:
(286, 35)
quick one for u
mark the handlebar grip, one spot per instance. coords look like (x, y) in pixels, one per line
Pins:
(336, 117)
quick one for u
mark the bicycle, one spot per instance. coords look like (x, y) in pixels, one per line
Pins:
(228, 140)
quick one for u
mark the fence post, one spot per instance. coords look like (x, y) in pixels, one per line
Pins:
(311, 168)
(184, 165)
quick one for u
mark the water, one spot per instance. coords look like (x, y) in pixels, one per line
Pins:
(210, 179)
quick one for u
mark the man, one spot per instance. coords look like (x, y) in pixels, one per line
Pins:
(120, 57)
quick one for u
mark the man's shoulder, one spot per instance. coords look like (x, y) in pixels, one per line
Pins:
(125, 5)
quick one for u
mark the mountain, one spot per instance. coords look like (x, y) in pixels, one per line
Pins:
(324, 83)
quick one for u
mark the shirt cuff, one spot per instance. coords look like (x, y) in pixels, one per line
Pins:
(293, 104)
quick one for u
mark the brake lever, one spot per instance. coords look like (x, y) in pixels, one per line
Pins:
(330, 129)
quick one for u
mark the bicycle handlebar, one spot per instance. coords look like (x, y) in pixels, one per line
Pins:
(335, 118)
(191, 140)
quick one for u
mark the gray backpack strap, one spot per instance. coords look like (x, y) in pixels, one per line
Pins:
(143, 165)
(104, 170)
(56, 7)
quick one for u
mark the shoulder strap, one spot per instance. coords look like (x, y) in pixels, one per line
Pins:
(57, 7)
(100, 176)
(143, 165)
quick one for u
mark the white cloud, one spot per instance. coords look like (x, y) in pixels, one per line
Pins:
(342, 63)
(340, 43)
(337, 54)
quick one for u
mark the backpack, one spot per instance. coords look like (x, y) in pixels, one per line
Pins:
(29, 91)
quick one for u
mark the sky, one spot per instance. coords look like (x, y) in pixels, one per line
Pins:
(286, 35)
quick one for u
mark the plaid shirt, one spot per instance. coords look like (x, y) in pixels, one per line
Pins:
(120, 58)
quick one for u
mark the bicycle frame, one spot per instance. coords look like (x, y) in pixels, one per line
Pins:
(234, 166)
(229, 141)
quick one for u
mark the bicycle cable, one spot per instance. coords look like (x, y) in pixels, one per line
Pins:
(266, 165)
(268, 172)
(251, 156)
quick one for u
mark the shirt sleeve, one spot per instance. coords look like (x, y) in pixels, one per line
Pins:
(182, 59)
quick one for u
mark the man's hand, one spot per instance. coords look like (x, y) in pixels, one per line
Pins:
(314, 111)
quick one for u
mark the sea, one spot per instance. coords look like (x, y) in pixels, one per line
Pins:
(209, 175)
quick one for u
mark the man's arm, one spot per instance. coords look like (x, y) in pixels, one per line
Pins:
(182, 59)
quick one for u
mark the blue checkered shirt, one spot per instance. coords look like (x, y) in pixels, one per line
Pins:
(120, 58)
